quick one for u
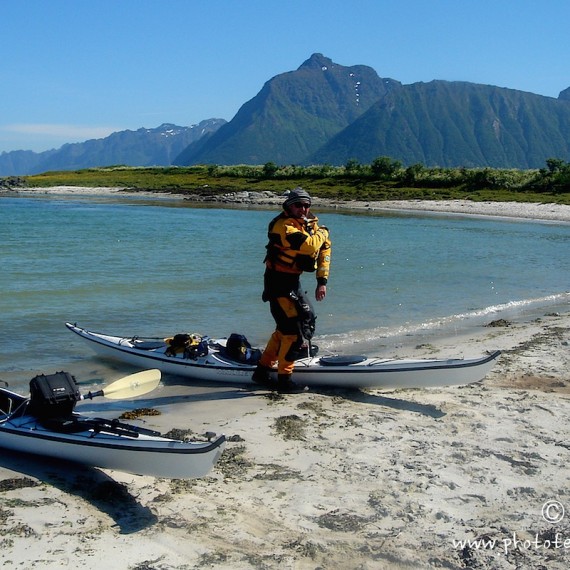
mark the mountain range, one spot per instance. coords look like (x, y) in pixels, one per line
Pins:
(326, 113)
(144, 147)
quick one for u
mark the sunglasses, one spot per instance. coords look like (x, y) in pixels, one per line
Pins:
(301, 205)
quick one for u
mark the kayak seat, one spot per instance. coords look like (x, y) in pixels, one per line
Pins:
(5, 404)
(11, 405)
(343, 360)
(149, 344)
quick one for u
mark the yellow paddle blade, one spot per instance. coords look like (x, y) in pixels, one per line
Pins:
(133, 385)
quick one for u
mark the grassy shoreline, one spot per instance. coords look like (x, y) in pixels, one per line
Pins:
(211, 182)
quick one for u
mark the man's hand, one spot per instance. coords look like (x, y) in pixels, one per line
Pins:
(321, 292)
(325, 231)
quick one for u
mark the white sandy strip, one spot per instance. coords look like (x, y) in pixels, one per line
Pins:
(545, 211)
(331, 479)
(86, 191)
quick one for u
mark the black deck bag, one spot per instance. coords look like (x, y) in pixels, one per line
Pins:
(53, 395)
(238, 348)
(191, 345)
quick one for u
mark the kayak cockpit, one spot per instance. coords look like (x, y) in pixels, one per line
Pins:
(11, 404)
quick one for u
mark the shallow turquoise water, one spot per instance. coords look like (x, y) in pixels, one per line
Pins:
(132, 266)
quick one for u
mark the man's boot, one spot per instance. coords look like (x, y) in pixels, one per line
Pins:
(285, 384)
(262, 375)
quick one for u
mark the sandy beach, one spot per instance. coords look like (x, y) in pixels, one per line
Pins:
(463, 477)
(543, 211)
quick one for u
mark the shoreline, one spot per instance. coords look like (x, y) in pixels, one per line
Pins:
(548, 212)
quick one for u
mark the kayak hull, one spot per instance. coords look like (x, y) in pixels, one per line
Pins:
(351, 372)
(98, 444)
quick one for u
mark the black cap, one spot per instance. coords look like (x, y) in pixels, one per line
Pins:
(296, 196)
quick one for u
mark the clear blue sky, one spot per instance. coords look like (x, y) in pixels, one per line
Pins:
(72, 70)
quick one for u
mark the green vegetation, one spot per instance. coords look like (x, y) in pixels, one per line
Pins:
(383, 179)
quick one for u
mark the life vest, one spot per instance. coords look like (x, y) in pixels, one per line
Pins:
(297, 245)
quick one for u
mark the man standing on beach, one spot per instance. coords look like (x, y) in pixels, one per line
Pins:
(296, 244)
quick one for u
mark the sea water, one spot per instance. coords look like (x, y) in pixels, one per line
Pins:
(137, 266)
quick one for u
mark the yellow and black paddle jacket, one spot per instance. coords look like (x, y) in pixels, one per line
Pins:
(297, 245)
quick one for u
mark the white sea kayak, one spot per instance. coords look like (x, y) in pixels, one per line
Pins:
(103, 443)
(344, 371)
